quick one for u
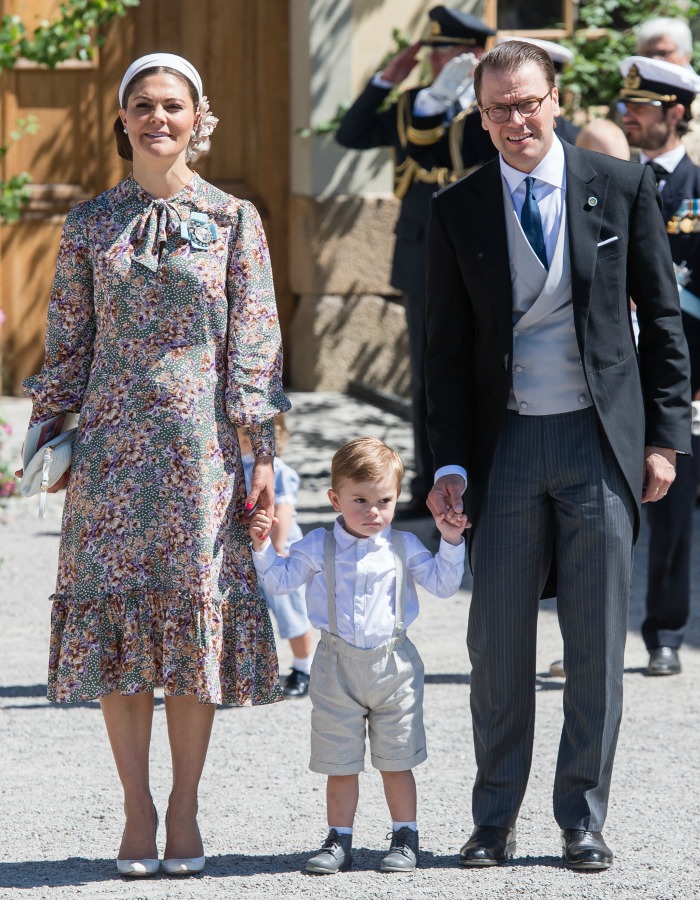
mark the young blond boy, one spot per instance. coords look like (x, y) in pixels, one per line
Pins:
(366, 675)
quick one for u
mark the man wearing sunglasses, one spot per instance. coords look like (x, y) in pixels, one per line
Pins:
(539, 402)
(655, 106)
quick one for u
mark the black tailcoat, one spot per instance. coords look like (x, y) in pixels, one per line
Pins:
(640, 398)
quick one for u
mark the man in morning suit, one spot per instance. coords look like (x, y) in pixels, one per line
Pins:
(655, 106)
(539, 401)
(435, 135)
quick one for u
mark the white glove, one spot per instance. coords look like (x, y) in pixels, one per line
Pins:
(454, 79)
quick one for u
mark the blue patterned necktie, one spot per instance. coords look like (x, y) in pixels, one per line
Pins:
(531, 221)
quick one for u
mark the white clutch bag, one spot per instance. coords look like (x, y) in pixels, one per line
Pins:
(46, 455)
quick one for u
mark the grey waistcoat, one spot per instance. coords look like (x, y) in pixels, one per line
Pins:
(547, 375)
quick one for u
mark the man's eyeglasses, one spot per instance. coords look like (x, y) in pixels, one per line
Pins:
(500, 113)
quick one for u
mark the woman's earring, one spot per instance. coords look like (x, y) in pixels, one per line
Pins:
(125, 131)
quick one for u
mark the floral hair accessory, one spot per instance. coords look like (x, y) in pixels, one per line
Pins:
(206, 123)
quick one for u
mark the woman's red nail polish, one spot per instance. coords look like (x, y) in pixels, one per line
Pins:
(249, 505)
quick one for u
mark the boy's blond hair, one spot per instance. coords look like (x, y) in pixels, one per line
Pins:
(365, 459)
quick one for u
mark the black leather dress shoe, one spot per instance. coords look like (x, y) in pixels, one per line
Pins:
(664, 661)
(412, 509)
(488, 846)
(297, 684)
(585, 850)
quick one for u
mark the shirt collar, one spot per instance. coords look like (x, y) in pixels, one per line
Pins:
(668, 160)
(344, 539)
(549, 169)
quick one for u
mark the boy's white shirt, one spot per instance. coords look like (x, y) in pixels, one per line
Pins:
(365, 579)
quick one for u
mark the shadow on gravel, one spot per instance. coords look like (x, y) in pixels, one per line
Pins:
(448, 678)
(23, 690)
(363, 860)
(527, 862)
(17, 691)
(76, 870)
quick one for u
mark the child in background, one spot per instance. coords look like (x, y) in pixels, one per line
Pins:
(360, 583)
(289, 609)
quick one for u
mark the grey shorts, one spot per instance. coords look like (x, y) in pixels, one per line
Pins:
(354, 692)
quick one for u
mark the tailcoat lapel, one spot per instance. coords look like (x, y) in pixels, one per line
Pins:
(586, 193)
(488, 228)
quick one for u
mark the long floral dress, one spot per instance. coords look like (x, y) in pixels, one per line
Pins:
(165, 344)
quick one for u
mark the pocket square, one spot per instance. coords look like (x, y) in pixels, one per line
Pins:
(608, 241)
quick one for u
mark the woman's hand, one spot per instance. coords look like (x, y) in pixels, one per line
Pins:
(261, 496)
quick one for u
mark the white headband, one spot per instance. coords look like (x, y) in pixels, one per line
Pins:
(171, 61)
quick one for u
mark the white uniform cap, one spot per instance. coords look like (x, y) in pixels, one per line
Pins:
(169, 60)
(560, 56)
(649, 80)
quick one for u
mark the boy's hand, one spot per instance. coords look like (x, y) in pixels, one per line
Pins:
(260, 528)
(451, 533)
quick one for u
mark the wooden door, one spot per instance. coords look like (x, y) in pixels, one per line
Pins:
(240, 48)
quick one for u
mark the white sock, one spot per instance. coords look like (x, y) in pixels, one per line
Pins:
(412, 825)
(340, 829)
(303, 665)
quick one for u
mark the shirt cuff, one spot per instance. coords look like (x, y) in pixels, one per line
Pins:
(427, 104)
(451, 553)
(452, 470)
(382, 83)
(265, 557)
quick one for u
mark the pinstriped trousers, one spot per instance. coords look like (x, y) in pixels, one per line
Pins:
(555, 490)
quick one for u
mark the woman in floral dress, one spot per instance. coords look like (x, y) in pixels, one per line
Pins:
(162, 332)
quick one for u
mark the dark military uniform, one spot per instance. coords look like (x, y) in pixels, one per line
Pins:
(671, 519)
(429, 151)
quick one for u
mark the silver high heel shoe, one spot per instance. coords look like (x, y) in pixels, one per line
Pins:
(184, 866)
(191, 866)
(139, 868)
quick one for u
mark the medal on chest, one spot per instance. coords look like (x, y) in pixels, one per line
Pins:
(199, 231)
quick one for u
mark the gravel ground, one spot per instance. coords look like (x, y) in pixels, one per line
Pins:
(262, 811)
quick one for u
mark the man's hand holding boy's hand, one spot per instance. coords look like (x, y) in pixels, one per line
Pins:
(260, 528)
(451, 533)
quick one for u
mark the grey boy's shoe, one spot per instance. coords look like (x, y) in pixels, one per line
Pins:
(334, 856)
(404, 853)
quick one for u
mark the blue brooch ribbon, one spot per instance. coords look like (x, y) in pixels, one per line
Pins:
(199, 231)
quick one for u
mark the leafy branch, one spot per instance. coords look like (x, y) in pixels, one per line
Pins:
(13, 191)
(74, 35)
(604, 37)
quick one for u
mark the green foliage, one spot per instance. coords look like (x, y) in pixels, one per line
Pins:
(13, 191)
(74, 35)
(604, 36)
(330, 126)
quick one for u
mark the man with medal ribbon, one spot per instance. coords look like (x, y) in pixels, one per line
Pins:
(655, 106)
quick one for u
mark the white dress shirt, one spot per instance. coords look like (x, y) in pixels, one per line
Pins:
(668, 160)
(550, 192)
(365, 579)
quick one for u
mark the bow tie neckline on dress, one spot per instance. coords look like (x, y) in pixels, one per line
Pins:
(160, 218)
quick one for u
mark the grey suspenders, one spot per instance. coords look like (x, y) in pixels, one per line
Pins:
(399, 562)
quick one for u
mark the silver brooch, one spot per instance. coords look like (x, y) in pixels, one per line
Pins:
(199, 231)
